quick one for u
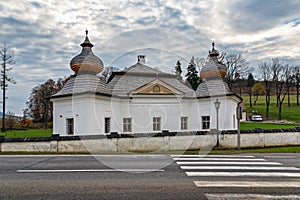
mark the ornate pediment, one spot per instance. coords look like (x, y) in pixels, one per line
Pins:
(156, 87)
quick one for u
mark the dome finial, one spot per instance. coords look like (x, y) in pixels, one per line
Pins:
(86, 42)
(213, 52)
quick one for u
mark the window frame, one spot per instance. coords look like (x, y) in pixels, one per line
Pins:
(183, 123)
(127, 124)
(205, 122)
(107, 125)
(70, 126)
(156, 121)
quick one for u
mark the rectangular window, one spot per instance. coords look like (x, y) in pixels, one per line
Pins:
(183, 123)
(107, 125)
(70, 126)
(205, 122)
(127, 125)
(156, 123)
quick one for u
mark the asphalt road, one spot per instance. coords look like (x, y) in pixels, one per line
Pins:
(251, 176)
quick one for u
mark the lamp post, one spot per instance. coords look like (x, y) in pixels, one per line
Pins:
(217, 106)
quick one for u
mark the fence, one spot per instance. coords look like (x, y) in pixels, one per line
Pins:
(145, 143)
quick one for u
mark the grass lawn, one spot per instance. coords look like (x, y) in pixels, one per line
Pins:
(27, 133)
(288, 113)
(253, 125)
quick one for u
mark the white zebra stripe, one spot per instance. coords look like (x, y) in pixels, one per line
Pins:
(238, 168)
(212, 156)
(228, 163)
(267, 184)
(241, 174)
(218, 159)
(226, 196)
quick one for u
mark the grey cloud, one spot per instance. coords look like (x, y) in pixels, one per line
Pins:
(172, 12)
(295, 22)
(147, 21)
(13, 21)
(36, 4)
(257, 15)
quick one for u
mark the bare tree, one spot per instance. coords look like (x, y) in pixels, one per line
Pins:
(7, 58)
(265, 70)
(237, 68)
(107, 72)
(200, 63)
(276, 68)
(284, 84)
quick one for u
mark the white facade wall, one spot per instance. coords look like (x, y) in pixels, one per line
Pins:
(89, 111)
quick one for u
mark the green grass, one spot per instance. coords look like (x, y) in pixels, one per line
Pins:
(288, 113)
(253, 125)
(27, 133)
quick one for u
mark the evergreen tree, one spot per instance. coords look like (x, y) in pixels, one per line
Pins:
(192, 78)
(250, 84)
(178, 70)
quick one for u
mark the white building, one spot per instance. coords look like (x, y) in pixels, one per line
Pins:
(140, 99)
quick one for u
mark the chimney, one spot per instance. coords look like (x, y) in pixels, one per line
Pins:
(141, 59)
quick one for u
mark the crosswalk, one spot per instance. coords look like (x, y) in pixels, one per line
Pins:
(238, 171)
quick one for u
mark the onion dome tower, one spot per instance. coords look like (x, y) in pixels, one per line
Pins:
(86, 61)
(213, 68)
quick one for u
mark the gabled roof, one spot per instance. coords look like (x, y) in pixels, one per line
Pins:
(156, 87)
(141, 68)
(138, 75)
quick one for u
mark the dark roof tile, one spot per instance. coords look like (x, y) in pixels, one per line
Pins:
(84, 83)
(214, 87)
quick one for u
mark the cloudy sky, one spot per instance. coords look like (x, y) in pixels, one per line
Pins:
(46, 34)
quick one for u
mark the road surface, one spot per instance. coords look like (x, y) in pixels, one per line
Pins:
(245, 176)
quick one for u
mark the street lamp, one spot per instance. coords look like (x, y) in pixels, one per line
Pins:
(217, 106)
